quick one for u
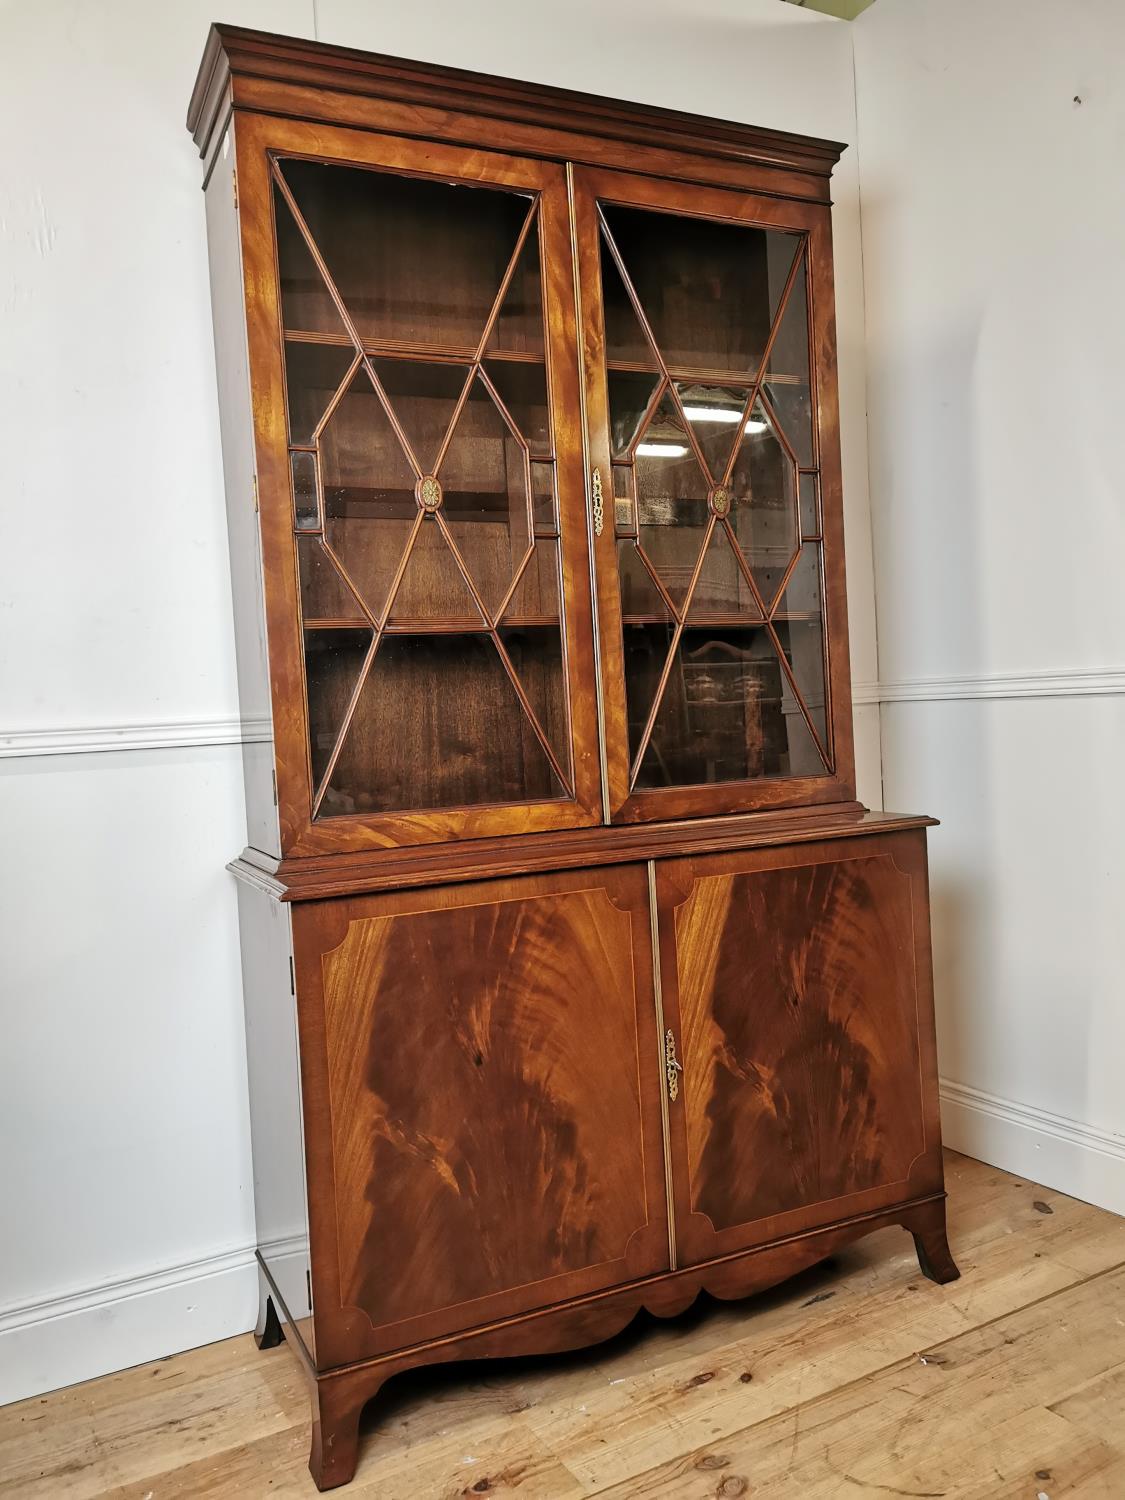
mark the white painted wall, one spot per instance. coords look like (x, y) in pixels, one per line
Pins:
(994, 240)
(125, 1174)
(124, 1153)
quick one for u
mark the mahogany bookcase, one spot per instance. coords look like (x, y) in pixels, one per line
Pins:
(577, 981)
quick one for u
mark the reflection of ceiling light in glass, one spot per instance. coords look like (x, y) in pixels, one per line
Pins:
(660, 450)
(712, 413)
(722, 414)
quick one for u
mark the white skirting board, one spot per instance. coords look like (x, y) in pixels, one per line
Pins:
(60, 1341)
(1063, 1154)
(76, 1337)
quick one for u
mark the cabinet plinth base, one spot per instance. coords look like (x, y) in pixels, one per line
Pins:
(339, 1396)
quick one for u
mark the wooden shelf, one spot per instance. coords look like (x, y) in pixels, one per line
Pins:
(463, 505)
(465, 353)
(468, 626)
(398, 349)
(730, 621)
(456, 627)
(464, 626)
(686, 374)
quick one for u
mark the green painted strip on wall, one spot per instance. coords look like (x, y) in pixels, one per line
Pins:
(846, 10)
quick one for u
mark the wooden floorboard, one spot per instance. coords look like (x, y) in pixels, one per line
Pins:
(858, 1378)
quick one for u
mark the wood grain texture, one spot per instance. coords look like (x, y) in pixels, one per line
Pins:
(465, 1090)
(287, 75)
(312, 879)
(793, 986)
(802, 1055)
(1012, 1372)
(490, 1110)
(976, 1418)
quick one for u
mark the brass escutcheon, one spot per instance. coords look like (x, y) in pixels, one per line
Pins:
(720, 500)
(597, 502)
(672, 1066)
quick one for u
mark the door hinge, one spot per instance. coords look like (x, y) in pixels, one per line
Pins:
(255, 485)
(292, 980)
(273, 778)
(308, 1287)
(234, 185)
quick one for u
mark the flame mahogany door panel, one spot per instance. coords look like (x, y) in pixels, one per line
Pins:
(481, 1077)
(796, 984)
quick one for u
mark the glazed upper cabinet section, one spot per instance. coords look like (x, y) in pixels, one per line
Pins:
(416, 308)
(428, 514)
(711, 400)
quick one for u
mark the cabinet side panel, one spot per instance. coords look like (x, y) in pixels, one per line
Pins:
(280, 1206)
(236, 427)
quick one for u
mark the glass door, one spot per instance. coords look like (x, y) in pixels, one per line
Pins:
(715, 497)
(435, 500)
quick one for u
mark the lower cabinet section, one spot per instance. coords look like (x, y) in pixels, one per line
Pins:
(483, 1099)
(534, 1105)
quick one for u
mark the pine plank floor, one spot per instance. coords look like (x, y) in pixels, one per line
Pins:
(858, 1378)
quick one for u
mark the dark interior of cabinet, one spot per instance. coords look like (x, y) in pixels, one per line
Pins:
(727, 712)
(437, 724)
(416, 261)
(708, 391)
(703, 286)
